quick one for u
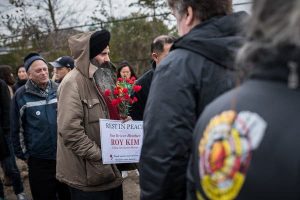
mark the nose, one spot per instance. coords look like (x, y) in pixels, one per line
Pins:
(44, 72)
(107, 59)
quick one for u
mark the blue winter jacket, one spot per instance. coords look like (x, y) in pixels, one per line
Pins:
(33, 122)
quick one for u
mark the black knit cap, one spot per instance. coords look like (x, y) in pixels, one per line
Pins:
(30, 58)
(98, 42)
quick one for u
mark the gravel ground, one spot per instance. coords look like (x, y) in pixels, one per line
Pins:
(130, 185)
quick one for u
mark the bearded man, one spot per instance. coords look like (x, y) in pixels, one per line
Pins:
(80, 105)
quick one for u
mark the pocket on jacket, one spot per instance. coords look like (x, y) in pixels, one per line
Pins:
(98, 173)
(93, 110)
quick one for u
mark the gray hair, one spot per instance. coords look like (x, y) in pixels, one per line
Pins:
(274, 24)
(203, 9)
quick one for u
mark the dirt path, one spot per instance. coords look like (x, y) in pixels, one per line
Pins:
(130, 185)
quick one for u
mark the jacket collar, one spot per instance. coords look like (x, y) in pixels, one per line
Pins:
(92, 70)
(32, 88)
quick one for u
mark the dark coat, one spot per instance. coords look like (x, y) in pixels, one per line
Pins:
(4, 118)
(137, 109)
(267, 135)
(198, 68)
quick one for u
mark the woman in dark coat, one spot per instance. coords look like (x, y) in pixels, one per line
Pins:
(21, 78)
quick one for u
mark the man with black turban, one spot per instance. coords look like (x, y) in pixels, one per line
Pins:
(80, 105)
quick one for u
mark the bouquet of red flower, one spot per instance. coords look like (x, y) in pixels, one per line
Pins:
(121, 95)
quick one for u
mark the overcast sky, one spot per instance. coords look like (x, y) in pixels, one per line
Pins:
(120, 8)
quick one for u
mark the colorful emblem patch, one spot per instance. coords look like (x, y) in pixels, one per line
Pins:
(225, 152)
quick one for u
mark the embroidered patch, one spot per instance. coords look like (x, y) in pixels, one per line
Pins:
(225, 152)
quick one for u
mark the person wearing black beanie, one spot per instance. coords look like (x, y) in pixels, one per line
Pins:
(34, 120)
(30, 58)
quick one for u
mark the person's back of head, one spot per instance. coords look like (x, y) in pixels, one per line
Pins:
(160, 47)
(203, 9)
(6, 74)
(273, 34)
(158, 43)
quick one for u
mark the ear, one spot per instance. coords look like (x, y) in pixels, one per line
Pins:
(29, 74)
(189, 16)
(154, 56)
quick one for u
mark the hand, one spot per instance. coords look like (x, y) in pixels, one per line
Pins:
(128, 118)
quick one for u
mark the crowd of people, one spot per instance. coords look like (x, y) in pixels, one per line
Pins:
(219, 107)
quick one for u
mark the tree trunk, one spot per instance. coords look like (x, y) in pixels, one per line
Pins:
(52, 15)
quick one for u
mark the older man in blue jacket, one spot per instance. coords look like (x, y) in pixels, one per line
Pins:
(34, 129)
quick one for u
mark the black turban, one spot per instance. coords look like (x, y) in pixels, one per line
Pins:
(98, 42)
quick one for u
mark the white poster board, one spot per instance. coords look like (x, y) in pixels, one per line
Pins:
(121, 142)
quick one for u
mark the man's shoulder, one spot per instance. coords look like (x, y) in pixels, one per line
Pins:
(71, 82)
(71, 78)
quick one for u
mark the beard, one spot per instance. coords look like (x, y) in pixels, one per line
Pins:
(101, 64)
(105, 75)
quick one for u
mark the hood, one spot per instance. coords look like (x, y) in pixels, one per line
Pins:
(216, 39)
(80, 50)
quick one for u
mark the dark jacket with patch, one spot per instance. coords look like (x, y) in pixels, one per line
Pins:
(252, 163)
(198, 68)
(34, 126)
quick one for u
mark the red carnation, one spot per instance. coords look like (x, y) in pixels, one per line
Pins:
(119, 100)
(120, 79)
(126, 96)
(107, 92)
(116, 91)
(137, 88)
(125, 90)
(114, 102)
(131, 82)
